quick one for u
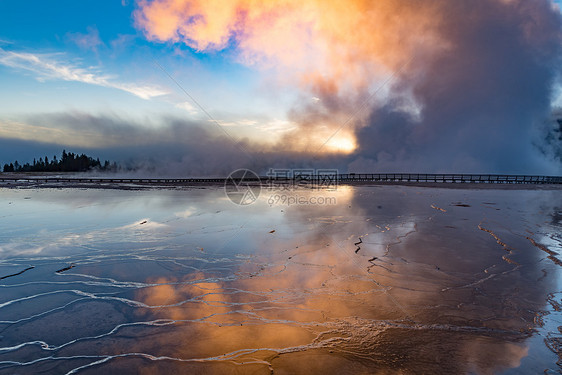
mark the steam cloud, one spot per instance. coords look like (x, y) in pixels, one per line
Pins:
(179, 148)
(472, 79)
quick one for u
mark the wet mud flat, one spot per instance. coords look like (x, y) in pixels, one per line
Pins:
(383, 279)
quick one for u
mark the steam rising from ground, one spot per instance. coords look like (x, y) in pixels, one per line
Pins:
(178, 148)
(471, 81)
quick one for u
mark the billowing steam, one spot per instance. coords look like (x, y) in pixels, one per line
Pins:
(471, 80)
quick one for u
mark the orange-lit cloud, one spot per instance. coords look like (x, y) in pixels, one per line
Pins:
(445, 69)
(334, 50)
(323, 42)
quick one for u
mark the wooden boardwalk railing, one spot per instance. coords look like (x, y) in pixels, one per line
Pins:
(451, 178)
(340, 178)
(112, 180)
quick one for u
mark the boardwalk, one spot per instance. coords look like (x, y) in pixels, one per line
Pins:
(450, 178)
(348, 178)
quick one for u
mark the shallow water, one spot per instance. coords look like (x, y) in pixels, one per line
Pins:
(387, 280)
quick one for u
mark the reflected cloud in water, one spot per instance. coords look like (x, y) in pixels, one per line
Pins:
(390, 280)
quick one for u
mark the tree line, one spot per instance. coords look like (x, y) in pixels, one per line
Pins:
(69, 162)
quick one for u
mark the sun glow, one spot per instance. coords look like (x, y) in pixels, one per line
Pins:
(342, 144)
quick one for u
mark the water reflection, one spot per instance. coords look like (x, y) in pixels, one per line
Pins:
(389, 280)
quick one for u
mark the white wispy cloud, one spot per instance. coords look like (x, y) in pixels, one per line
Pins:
(277, 126)
(240, 123)
(186, 106)
(51, 67)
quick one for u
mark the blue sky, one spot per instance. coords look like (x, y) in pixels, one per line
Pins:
(88, 56)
